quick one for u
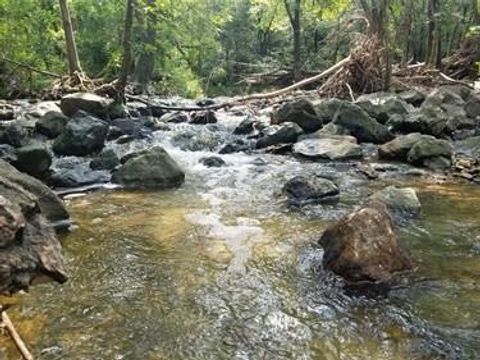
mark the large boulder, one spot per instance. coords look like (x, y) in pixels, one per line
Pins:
(34, 159)
(279, 134)
(174, 117)
(90, 103)
(302, 190)
(327, 108)
(334, 148)
(51, 124)
(29, 248)
(300, 111)
(472, 107)
(246, 126)
(431, 153)
(360, 125)
(41, 108)
(399, 201)
(83, 135)
(363, 247)
(50, 205)
(382, 106)
(398, 148)
(153, 168)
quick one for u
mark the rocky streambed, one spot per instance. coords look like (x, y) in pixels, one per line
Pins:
(209, 247)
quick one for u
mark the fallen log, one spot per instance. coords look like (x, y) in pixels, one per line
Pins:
(259, 96)
(31, 68)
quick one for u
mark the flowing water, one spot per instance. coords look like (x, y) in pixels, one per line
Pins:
(222, 268)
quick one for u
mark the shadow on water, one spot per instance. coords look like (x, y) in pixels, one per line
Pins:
(221, 269)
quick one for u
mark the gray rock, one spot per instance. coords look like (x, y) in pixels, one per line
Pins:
(34, 159)
(175, 118)
(361, 125)
(469, 147)
(279, 134)
(8, 153)
(413, 97)
(329, 148)
(213, 161)
(204, 117)
(382, 106)
(83, 135)
(50, 205)
(40, 109)
(153, 168)
(363, 247)
(238, 145)
(6, 112)
(51, 124)
(106, 160)
(71, 172)
(327, 108)
(301, 112)
(399, 201)
(431, 153)
(301, 190)
(247, 126)
(90, 103)
(398, 148)
(14, 135)
(472, 107)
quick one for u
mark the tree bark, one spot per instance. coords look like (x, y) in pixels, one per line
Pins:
(72, 54)
(433, 51)
(145, 63)
(476, 12)
(295, 21)
(127, 48)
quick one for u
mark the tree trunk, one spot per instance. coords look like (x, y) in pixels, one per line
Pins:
(72, 54)
(145, 63)
(127, 48)
(433, 53)
(476, 12)
(295, 22)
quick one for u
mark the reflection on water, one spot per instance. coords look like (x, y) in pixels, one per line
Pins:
(221, 269)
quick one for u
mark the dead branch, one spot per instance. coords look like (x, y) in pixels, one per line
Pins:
(31, 68)
(260, 96)
(15, 336)
(449, 79)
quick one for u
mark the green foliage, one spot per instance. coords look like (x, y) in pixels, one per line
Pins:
(199, 47)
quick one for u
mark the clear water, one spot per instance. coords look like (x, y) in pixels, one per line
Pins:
(221, 268)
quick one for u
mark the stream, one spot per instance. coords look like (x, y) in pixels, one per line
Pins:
(222, 268)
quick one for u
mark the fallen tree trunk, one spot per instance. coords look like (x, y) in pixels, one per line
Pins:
(260, 96)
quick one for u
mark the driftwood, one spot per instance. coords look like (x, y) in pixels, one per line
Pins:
(259, 96)
(15, 336)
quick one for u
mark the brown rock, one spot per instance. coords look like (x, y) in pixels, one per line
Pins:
(362, 247)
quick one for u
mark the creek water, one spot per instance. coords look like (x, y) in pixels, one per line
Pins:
(222, 268)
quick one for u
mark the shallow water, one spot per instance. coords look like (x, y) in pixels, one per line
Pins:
(221, 268)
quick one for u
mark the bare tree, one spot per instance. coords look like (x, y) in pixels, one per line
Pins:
(433, 51)
(72, 54)
(127, 48)
(294, 16)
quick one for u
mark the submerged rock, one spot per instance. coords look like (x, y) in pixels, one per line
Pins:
(204, 117)
(90, 103)
(300, 111)
(213, 161)
(337, 148)
(399, 201)
(83, 135)
(363, 247)
(302, 190)
(152, 168)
